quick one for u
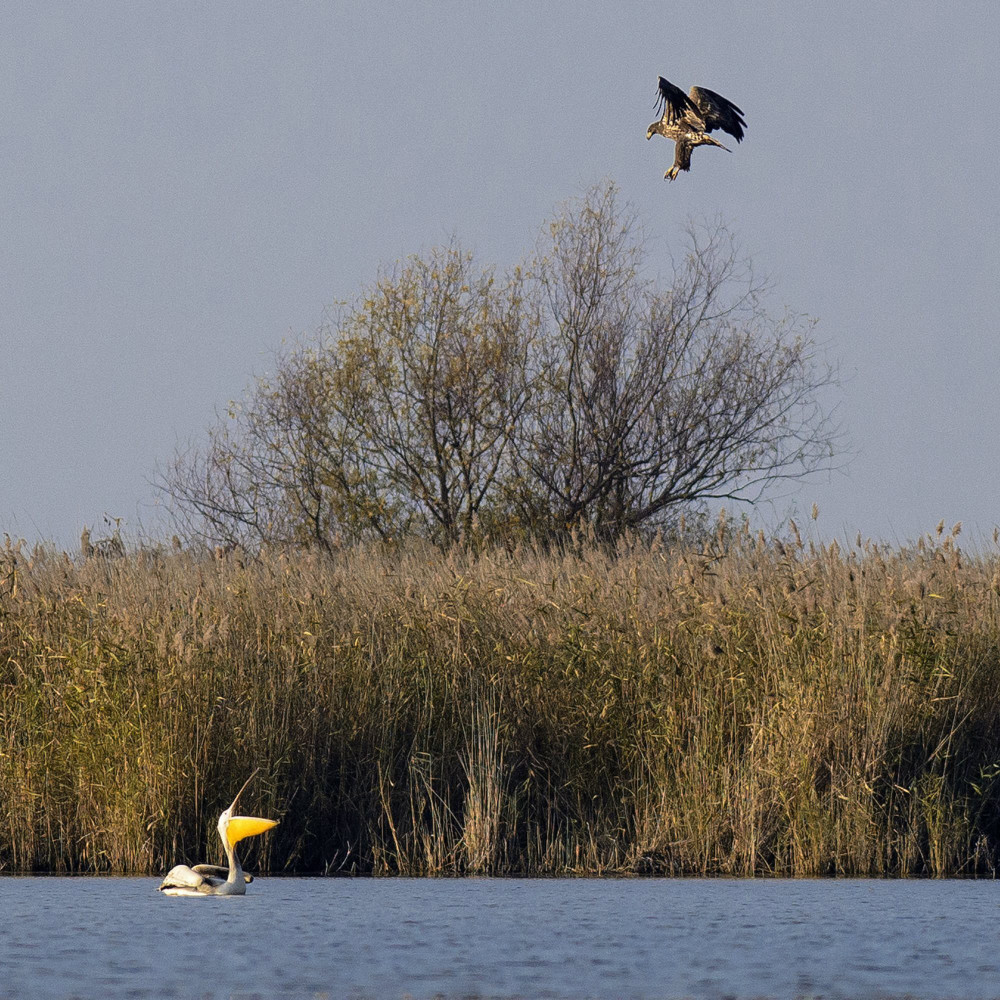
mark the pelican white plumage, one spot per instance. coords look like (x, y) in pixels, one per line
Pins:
(207, 880)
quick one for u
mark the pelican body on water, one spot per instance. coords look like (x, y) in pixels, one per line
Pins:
(208, 880)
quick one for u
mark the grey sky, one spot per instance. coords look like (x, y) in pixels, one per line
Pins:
(185, 184)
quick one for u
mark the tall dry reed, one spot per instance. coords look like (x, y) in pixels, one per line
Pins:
(743, 706)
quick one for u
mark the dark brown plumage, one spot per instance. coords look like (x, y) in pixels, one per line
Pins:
(687, 119)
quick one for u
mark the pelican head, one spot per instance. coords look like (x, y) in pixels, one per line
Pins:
(232, 829)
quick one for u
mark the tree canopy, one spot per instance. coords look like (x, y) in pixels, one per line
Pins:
(457, 403)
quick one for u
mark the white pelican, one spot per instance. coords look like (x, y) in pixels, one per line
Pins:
(207, 880)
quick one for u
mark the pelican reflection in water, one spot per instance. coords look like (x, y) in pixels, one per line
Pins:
(208, 880)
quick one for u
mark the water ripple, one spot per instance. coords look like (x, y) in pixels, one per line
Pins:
(646, 939)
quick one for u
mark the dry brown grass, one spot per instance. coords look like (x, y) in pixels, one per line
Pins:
(746, 706)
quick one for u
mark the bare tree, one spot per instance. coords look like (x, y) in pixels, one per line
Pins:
(283, 465)
(651, 400)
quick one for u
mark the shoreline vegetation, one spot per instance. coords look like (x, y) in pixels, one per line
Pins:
(730, 705)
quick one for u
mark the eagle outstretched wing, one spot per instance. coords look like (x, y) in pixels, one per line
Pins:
(671, 102)
(715, 111)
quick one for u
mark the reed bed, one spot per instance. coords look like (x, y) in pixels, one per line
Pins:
(740, 706)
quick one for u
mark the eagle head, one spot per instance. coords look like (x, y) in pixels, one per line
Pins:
(652, 128)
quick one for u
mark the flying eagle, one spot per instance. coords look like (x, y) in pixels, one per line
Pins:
(688, 120)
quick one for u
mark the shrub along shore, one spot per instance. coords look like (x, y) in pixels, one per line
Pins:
(739, 706)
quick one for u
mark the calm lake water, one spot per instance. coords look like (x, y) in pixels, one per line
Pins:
(311, 938)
